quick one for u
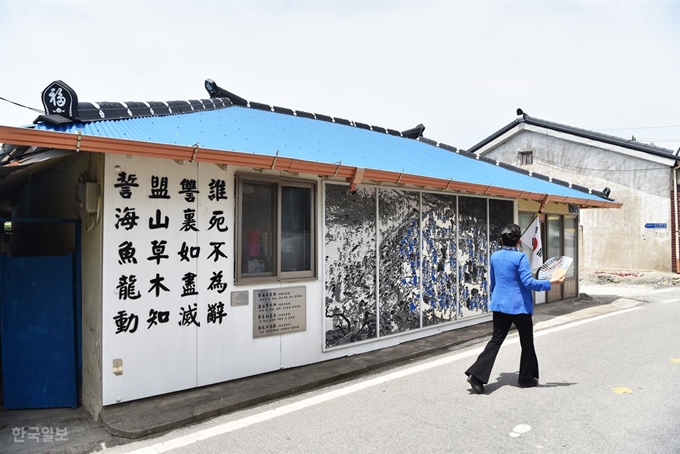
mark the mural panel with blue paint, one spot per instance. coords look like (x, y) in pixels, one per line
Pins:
(449, 266)
(439, 258)
(399, 262)
(350, 264)
(473, 250)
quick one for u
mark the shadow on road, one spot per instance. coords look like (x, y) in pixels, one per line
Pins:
(511, 379)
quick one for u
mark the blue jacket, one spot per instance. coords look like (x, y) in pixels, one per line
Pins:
(512, 283)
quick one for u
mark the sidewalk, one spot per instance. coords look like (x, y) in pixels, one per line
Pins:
(158, 414)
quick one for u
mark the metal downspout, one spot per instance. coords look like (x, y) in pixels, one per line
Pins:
(675, 215)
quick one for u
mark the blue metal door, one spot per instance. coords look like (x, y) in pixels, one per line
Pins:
(38, 332)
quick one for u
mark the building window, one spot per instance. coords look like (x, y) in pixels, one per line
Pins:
(275, 229)
(526, 158)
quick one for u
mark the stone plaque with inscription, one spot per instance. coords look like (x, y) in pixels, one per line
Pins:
(239, 298)
(279, 311)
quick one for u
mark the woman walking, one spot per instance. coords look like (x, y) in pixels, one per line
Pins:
(511, 302)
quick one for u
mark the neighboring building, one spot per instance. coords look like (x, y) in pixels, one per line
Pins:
(223, 238)
(643, 236)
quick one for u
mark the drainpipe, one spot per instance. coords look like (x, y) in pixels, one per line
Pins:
(675, 207)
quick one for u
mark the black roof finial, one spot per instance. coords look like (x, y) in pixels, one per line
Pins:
(60, 99)
(414, 133)
(216, 91)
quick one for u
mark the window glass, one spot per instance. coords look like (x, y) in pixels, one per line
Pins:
(258, 228)
(275, 229)
(554, 236)
(570, 231)
(296, 229)
(524, 220)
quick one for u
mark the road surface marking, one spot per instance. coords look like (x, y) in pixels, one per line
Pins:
(519, 430)
(231, 426)
(622, 390)
(670, 301)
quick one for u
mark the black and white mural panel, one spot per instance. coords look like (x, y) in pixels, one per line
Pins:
(350, 264)
(473, 250)
(439, 258)
(399, 260)
(501, 213)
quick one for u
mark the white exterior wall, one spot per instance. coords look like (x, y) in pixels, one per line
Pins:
(613, 239)
(169, 357)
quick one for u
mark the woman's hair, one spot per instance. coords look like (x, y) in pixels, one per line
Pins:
(510, 235)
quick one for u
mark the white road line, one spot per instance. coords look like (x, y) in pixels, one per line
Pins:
(670, 301)
(555, 329)
(231, 426)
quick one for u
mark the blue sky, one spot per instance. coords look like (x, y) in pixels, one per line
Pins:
(461, 68)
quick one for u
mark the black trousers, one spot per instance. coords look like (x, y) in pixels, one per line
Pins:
(528, 365)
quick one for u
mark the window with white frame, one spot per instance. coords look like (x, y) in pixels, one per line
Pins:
(275, 229)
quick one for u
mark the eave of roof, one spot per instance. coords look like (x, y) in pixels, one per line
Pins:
(584, 133)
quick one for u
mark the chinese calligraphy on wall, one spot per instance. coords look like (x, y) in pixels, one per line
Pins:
(167, 271)
(167, 228)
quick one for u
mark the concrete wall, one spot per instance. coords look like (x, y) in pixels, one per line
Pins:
(613, 239)
(51, 194)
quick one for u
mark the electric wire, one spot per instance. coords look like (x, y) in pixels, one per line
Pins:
(634, 110)
(21, 105)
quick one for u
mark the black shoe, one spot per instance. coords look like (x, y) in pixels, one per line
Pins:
(476, 384)
(529, 384)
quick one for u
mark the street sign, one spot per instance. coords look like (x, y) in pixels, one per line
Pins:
(655, 225)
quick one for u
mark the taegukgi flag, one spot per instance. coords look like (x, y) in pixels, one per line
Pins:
(532, 239)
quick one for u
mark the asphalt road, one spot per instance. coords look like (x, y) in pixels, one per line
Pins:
(609, 384)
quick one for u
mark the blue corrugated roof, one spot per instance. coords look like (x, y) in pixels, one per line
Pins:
(262, 132)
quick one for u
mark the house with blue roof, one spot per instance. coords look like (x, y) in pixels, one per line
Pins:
(220, 238)
(644, 234)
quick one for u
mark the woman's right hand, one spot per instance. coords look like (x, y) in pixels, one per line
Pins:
(557, 280)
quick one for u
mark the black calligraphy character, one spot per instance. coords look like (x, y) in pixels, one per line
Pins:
(185, 252)
(216, 250)
(125, 321)
(125, 182)
(157, 285)
(218, 190)
(158, 224)
(156, 317)
(126, 253)
(189, 316)
(157, 251)
(217, 220)
(189, 221)
(216, 282)
(216, 312)
(128, 218)
(159, 188)
(126, 287)
(189, 285)
(189, 190)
